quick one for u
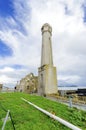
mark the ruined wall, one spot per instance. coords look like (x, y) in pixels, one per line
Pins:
(1, 86)
(28, 84)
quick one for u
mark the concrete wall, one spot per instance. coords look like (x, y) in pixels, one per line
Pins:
(47, 80)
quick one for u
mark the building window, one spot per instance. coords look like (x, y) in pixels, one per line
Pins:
(28, 87)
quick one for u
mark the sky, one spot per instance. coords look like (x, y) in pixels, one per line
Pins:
(21, 39)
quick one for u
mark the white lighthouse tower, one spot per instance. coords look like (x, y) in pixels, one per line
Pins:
(47, 77)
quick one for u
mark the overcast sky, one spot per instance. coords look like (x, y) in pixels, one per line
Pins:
(21, 39)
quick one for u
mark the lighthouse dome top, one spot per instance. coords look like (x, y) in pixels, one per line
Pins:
(46, 27)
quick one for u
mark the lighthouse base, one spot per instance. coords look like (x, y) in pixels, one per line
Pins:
(47, 81)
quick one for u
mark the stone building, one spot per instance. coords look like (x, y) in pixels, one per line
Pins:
(47, 77)
(28, 84)
(1, 86)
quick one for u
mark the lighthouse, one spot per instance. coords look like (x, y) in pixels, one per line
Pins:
(47, 77)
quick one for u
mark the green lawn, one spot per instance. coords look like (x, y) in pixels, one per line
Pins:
(26, 117)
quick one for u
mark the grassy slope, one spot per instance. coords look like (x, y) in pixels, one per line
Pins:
(26, 117)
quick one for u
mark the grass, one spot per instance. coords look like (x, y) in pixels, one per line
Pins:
(26, 117)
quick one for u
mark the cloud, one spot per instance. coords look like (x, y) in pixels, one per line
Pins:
(70, 79)
(10, 75)
(6, 69)
(22, 33)
(5, 79)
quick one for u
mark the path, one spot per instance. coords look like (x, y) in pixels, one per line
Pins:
(77, 105)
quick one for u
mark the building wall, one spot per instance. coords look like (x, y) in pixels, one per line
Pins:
(28, 84)
(1, 86)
